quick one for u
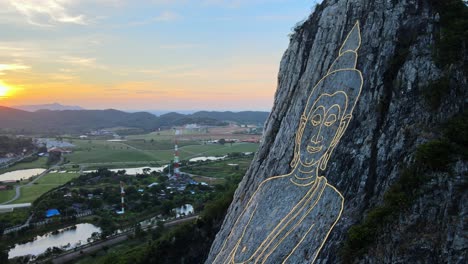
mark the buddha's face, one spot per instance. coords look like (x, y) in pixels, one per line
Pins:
(323, 127)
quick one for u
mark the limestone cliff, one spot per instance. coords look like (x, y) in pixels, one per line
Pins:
(399, 109)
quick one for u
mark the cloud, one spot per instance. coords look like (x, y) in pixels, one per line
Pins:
(237, 3)
(142, 91)
(179, 46)
(62, 77)
(12, 67)
(166, 71)
(166, 16)
(82, 62)
(79, 61)
(47, 13)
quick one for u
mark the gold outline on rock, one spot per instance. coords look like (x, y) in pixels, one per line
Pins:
(317, 186)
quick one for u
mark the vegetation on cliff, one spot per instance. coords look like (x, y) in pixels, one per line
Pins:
(435, 156)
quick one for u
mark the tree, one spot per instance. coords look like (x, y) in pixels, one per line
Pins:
(95, 203)
(54, 157)
(108, 226)
(222, 141)
(42, 149)
(3, 253)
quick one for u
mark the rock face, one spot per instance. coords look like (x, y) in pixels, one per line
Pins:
(390, 119)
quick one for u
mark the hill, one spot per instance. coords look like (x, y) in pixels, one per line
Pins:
(71, 121)
(396, 175)
(240, 117)
(78, 121)
(54, 106)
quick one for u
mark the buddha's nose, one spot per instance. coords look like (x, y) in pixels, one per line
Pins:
(317, 139)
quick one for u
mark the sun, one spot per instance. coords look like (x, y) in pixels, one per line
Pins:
(4, 90)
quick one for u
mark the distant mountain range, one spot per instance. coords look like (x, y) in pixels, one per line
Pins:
(80, 121)
(54, 106)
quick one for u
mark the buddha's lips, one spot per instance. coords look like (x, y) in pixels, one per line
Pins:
(311, 149)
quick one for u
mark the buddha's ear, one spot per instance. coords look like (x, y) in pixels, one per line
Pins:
(297, 142)
(300, 130)
(344, 123)
(339, 133)
(342, 129)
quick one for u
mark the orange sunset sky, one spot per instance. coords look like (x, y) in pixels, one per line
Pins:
(159, 54)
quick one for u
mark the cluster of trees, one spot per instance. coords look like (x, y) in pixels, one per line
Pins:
(53, 158)
(15, 145)
(186, 243)
(100, 191)
(433, 159)
(58, 122)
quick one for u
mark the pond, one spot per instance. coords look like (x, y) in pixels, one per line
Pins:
(20, 174)
(66, 238)
(206, 158)
(135, 171)
(184, 210)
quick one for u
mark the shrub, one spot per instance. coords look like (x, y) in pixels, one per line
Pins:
(453, 35)
(436, 155)
(457, 132)
(436, 91)
(397, 198)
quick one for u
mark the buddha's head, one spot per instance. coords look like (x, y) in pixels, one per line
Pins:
(329, 108)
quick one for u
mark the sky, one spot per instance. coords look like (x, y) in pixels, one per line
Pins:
(145, 55)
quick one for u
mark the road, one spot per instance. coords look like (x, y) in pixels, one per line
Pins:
(67, 257)
(14, 161)
(18, 187)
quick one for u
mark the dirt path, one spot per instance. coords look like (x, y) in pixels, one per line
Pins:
(18, 187)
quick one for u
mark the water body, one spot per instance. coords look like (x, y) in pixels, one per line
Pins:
(135, 171)
(20, 174)
(62, 239)
(184, 210)
(50, 143)
(206, 158)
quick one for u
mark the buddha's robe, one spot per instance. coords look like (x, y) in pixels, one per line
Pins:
(292, 230)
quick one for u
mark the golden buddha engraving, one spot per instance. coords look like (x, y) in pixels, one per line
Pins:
(294, 229)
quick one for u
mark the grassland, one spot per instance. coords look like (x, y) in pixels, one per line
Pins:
(6, 195)
(93, 152)
(216, 149)
(29, 193)
(220, 169)
(159, 145)
(153, 149)
(17, 217)
(166, 135)
(39, 163)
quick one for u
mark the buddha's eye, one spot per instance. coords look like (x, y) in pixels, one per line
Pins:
(331, 119)
(316, 120)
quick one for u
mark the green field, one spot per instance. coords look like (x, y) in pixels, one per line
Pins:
(91, 152)
(120, 165)
(164, 135)
(139, 151)
(57, 178)
(98, 151)
(6, 195)
(159, 145)
(216, 149)
(210, 181)
(39, 163)
(220, 169)
(30, 193)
